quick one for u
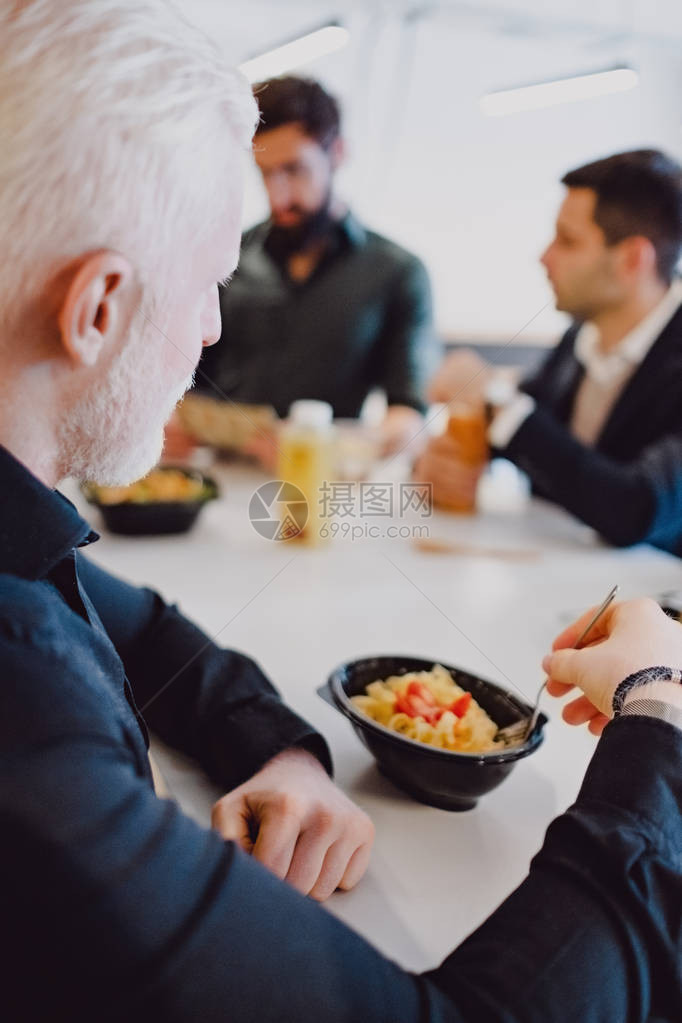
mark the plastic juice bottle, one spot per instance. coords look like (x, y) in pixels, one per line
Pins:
(306, 453)
(467, 425)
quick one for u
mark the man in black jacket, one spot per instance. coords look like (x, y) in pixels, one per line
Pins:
(598, 428)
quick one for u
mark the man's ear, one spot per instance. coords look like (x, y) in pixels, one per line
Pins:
(638, 255)
(337, 152)
(97, 306)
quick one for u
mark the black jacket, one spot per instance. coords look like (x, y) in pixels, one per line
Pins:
(115, 906)
(629, 485)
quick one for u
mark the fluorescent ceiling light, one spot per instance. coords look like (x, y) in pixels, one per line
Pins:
(564, 90)
(299, 51)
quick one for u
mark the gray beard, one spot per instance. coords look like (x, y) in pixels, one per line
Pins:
(109, 440)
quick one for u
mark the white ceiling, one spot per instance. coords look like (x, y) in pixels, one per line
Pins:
(475, 197)
(254, 25)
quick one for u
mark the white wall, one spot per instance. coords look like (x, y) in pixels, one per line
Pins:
(474, 196)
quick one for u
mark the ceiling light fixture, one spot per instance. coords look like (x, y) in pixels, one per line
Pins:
(297, 52)
(563, 90)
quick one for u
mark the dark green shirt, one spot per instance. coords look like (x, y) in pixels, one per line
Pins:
(361, 320)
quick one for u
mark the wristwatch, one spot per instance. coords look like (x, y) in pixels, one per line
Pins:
(642, 678)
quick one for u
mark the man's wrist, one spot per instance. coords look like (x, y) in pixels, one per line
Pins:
(505, 420)
(645, 676)
(312, 747)
(652, 692)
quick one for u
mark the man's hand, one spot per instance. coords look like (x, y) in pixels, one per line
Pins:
(453, 480)
(628, 637)
(293, 819)
(462, 377)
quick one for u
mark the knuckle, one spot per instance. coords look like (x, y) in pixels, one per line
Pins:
(325, 821)
(318, 894)
(321, 892)
(368, 827)
(288, 805)
(278, 863)
(362, 828)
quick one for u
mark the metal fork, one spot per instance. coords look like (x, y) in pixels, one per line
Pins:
(519, 731)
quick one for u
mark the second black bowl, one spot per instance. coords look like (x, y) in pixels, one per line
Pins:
(154, 517)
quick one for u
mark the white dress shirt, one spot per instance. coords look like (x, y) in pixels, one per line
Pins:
(606, 374)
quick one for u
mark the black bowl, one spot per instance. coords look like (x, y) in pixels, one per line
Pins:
(450, 781)
(153, 518)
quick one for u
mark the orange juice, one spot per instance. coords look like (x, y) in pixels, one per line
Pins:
(306, 451)
(467, 425)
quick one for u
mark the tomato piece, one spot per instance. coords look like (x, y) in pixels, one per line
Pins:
(421, 709)
(461, 705)
(402, 706)
(422, 692)
(414, 706)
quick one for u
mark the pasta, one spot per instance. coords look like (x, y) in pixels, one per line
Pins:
(158, 485)
(430, 707)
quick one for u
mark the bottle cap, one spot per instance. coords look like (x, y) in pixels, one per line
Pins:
(315, 415)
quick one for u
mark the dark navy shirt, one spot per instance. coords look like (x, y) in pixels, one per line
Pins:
(115, 906)
(363, 319)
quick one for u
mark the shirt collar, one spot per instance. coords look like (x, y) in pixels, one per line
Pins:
(38, 526)
(353, 230)
(634, 347)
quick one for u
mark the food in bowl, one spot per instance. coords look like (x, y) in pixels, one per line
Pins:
(159, 485)
(440, 777)
(430, 707)
(168, 500)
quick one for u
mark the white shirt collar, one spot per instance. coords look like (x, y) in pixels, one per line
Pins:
(632, 350)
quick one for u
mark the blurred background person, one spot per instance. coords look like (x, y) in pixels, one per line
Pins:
(320, 307)
(598, 428)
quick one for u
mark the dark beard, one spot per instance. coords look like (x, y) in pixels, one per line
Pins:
(314, 227)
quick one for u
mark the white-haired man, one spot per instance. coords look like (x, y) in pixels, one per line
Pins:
(117, 195)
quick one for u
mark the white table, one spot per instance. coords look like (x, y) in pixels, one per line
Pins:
(434, 875)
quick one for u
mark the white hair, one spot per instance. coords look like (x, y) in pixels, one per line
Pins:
(113, 119)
